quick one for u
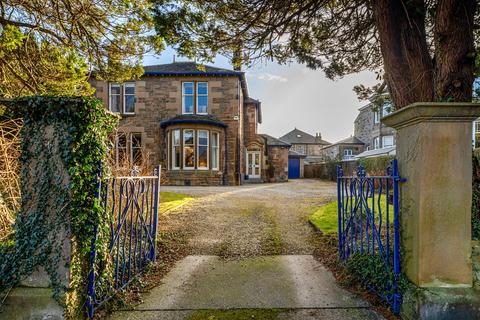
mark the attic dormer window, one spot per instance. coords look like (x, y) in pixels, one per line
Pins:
(299, 135)
(194, 97)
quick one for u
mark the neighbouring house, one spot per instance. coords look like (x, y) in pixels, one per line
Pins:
(369, 129)
(198, 122)
(345, 149)
(306, 144)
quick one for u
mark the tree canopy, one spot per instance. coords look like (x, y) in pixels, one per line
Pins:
(50, 46)
(424, 50)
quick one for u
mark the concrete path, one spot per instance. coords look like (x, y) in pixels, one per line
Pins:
(250, 258)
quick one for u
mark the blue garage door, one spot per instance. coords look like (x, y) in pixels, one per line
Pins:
(293, 168)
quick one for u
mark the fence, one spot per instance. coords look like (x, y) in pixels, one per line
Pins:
(368, 224)
(131, 203)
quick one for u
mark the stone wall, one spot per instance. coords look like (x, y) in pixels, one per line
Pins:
(365, 129)
(278, 158)
(160, 98)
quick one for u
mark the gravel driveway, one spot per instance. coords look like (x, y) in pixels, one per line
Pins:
(249, 220)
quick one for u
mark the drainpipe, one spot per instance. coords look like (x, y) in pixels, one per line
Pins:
(225, 165)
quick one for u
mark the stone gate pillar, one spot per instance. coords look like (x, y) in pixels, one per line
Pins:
(434, 152)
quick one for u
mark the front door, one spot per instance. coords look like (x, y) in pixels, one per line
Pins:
(253, 164)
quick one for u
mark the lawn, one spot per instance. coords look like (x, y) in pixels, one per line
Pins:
(326, 217)
(171, 200)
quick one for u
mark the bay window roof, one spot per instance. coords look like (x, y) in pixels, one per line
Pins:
(193, 119)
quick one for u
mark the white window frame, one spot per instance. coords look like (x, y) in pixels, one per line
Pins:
(477, 126)
(200, 95)
(216, 138)
(183, 150)
(376, 116)
(173, 148)
(110, 84)
(376, 143)
(131, 145)
(192, 95)
(383, 141)
(203, 145)
(124, 100)
(349, 153)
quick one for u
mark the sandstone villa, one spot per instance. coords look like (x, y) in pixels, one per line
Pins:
(199, 123)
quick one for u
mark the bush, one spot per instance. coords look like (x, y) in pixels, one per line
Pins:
(377, 165)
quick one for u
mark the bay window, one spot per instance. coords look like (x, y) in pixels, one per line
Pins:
(188, 149)
(215, 151)
(202, 149)
(176, 149)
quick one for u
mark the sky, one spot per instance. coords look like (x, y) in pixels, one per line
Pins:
(294, 96)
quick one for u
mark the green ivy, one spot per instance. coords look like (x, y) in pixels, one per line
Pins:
(476, 196)
(52, 202)
(370, 271)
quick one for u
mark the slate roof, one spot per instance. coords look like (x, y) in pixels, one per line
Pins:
(274, 142)
(298, 136)
(350, 140)
(389, 151)
(193, 118)
(188, 68)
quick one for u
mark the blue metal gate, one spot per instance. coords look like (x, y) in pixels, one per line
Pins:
(131, 204)
(368, 223)
(293, 168)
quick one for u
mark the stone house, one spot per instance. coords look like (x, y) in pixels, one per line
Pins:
(345, 149)
(277, 155)
(199, 123)
(370, 130)
(306, 144)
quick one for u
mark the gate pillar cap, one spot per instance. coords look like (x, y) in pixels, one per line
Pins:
(432, 112)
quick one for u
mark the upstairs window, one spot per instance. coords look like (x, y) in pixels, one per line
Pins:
(187, 98)
(115, 95)
(202, 98)
(122, 98)
(376, 116)
(194, 97)
(347, 152)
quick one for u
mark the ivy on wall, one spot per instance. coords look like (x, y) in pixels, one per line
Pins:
(63, 141)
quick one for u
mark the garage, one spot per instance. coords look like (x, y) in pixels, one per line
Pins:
(295, 165)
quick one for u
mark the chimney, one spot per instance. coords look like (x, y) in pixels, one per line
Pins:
(319, 136)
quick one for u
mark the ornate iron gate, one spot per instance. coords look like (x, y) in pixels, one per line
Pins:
(131, 204)
(368, 223)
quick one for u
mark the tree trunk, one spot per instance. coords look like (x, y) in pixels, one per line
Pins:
(408, 65)
(454, 50)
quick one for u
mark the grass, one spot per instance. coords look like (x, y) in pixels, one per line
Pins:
(326, 217)
(171, 200)
(242, 314)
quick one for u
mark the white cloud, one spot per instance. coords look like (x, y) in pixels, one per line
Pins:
(268, 77)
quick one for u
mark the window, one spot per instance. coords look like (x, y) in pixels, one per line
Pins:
(136, 148)
(347, 152)
(188, 149)
(122, 98)
(387, 108)
(376, 143)
(299, 148)
(129, 98)
(176, 149)
(376, 116)
(215, 151)
(387, 141)
(115, 94)
(121, 148)
(187, 97)
(202, 97)
(477, 126)
(202, 149)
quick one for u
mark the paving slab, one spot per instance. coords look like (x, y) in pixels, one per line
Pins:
(298, 285)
